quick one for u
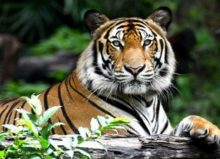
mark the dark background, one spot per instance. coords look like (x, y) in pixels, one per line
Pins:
(40, 42)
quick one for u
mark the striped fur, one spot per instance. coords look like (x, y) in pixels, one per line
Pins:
(122, 73)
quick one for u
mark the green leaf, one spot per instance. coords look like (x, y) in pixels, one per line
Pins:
(102, 120)
(120, 120)
(24, 114)
(47, 129)
(2, 154)
(2, 136)
(83, 153)
(115, 123)
(77, 139)
(11, 128)
(44, 142)
(47, 115)
(35, 103)
(94, 124)
(35, 157)
(84, 132)
(28, 123)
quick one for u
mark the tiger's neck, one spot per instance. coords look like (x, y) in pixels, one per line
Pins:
(144, 111)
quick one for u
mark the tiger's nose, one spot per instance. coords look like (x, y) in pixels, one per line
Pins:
(134, 70)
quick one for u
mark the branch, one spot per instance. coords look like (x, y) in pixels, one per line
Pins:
(153, 147)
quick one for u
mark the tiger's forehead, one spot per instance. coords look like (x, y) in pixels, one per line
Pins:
(123, 26)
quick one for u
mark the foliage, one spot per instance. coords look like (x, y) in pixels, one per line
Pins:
(200, 88)
(31, 134)
(65, 39)
(115, 8)
(35, 128)
(59, 75)
(35, 20)
(30, 20)
(21, 88)
(99, 126)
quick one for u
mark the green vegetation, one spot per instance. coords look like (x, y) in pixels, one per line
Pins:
(21, 88)
(31, 134)
(30, 20)
(65, 39)
(199, 90)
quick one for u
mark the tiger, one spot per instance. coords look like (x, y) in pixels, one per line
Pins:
(124, 70)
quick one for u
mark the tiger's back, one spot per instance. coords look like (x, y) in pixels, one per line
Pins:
(77, 110)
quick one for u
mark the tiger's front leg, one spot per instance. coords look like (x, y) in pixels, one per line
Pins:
(198, 128)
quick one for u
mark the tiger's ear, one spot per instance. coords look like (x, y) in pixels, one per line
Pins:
(94, 19)
(162, 16)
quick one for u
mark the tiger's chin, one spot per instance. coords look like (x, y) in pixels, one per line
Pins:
(135, 89)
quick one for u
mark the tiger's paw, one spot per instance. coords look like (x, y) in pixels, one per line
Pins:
(200, 129)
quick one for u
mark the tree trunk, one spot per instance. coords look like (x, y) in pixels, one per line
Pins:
(152, 147)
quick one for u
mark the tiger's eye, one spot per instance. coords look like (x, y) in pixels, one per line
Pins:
(116, 43)
(147, 42)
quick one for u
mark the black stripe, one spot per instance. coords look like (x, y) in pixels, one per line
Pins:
(95, 62)
(63, 129)
(101, 46)
(162, 47)
(158, 110)
(89, 85)
(141, 26)
(6, 101)
(46, 105)
(126, 25)
(106, 63)
(4, 110)
(122, 26)
(163, 72)
(136, 21)
(45, 98)
(158, 60)
(8, 115)
(124, 108)
(136, 110)
(147, 103)
(14, 121)
(21, 107)
(67, 88)
(155, 129)
(71, 125)
(153, 32)
(155, 111)
(158, 63)
(108, 31)
(90, 101)
(131, 129)
(166, 54)
(165, 127)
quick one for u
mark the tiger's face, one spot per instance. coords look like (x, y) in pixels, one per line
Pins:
(128, 55)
